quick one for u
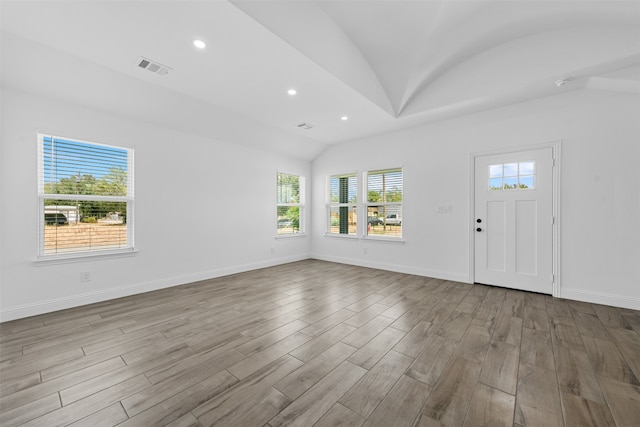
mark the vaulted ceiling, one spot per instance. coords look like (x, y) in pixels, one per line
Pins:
(385, 64)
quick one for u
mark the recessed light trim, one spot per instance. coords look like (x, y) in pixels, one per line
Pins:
(344, 118)
(199, 44)
(292, 91)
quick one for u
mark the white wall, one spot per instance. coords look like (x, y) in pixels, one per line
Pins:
(204, 208)
(231, 227)
(600, 190)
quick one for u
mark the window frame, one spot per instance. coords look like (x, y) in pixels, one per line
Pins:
(129, 199)
(366, 204)
(353, 207)
(300, 205)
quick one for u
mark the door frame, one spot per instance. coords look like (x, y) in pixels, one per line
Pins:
(556, 147)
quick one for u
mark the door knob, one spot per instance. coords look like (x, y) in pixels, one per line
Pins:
(478, 229)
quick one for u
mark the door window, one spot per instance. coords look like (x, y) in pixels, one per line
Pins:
(512, 176)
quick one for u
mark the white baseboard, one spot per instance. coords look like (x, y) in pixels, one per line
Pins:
(566, 293)
(601, 298)
(48, 306)
(407, 269)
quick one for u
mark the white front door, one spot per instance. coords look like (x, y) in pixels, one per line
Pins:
(514, 220)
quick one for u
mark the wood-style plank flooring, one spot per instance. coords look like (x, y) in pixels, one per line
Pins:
(314, 343)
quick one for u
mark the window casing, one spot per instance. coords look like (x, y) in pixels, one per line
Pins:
(290, 204)
(85, 198)
(383, 193)
(342, 205)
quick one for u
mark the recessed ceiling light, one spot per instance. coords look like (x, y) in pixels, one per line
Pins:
(344, 118)
(199, 44)
(292, 91)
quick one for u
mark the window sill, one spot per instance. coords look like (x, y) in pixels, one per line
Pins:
(290, 236)
(393, 240)
(341, 236)
(44, 260)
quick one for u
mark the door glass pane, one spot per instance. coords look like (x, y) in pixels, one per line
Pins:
(527, 182)
(527, 168)
(495, 184)
(495, 171)
(510, 183)
(511, 169)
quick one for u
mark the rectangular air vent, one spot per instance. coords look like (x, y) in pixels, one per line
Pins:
(154, 67)
(305, 126)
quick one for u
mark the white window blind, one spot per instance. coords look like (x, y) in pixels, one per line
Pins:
(86, 197)
(384, 193)
(342, 206)
(290, 204)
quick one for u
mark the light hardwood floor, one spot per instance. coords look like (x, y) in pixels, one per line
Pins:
(314, 343)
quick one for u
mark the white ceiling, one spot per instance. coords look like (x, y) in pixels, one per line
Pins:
(386, 64)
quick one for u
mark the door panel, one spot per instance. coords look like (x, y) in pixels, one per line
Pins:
(526, 241)
(514, 204)
(496, 244)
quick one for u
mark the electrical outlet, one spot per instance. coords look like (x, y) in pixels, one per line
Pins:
(273, 250)
(85, 276)
(364, 251)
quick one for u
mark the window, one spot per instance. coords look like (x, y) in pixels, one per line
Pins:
(384, 203)
(343, 190)
(290, 209)
(512, 176)
(85, 193)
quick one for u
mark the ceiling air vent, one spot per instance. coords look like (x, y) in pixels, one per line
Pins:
(153, 66)
(305, 126)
